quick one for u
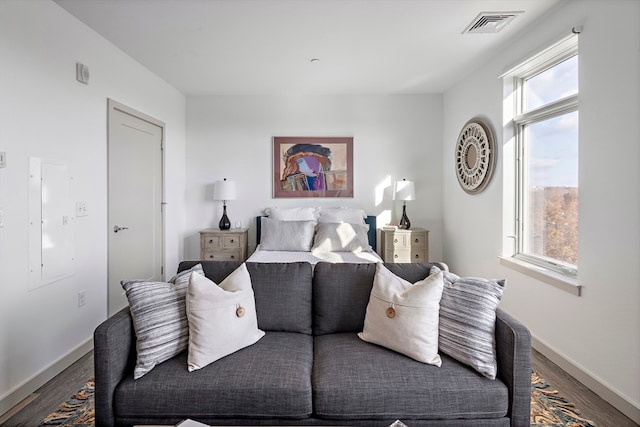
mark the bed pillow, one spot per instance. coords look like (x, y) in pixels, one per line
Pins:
(159, 318)
(404, 317)
(286, 235)
(350, 215)
(341, 237)
(342, 214)
(222, 318)
(292, 214)
(468, 319)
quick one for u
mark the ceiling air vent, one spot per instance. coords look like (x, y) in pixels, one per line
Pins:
(490, 22)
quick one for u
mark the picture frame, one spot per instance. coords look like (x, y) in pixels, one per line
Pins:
(312, 166)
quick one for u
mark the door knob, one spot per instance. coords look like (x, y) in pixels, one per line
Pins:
(117, 228)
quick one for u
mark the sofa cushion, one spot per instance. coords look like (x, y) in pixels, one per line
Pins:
(468, 320)
(159, 318)
(353, 379)
(340, 296)
(222, 317)
(403, 316)
(282, 291)
(341, 292)
(270, 379)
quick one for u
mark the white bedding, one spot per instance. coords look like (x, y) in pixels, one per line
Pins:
(313, 257)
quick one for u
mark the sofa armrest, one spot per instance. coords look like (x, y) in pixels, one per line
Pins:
(114, 355)
(513, 352)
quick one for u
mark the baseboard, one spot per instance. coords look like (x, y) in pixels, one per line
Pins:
(618, 401)
(27, 387)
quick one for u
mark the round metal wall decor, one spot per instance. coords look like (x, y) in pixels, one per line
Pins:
(474, 156)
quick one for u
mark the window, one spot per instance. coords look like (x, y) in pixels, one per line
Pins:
(545, 118)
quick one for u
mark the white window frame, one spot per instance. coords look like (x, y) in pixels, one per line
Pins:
(550, 270)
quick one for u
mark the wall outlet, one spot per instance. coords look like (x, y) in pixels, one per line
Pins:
(82, 298)
(82, 209)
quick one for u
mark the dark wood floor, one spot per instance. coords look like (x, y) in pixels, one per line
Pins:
(591, 406)
(46, 399)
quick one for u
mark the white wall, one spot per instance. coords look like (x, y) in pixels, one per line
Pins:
(395, 137)
(598, 332)
(45, 113)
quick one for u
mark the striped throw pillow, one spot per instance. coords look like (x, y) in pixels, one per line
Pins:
(159, 318)
(467, 320)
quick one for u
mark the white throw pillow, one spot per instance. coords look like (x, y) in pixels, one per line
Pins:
(159, 318)
(350, 215)
(468, 320)
(404, 317)
(222, 318)
(292, 214)
(343, 237)
(286, 235)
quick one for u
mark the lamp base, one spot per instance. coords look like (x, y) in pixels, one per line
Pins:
(224, 223)
(404, 223)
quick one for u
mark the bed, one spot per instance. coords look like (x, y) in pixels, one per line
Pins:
(338, 235)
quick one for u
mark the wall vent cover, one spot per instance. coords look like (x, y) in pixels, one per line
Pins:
(490, 22)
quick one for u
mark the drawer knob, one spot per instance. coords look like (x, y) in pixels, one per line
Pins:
(395, 256)
(231, 241)
(417, 256)
(233, 257)
(210, 256)
(395, 240)
(417, 240)
(210, 240)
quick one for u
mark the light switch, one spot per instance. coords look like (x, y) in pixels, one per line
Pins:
(3, 159)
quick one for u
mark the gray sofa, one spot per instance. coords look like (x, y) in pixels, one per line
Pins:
(311, 368)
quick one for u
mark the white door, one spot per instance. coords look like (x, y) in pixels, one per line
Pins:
(135, 222)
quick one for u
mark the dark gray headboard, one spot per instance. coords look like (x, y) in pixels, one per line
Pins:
(370, 219)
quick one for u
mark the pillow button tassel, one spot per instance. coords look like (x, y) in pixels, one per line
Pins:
(240, 311)
(391, 312)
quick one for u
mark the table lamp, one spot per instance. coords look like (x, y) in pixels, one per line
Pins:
(224, 190)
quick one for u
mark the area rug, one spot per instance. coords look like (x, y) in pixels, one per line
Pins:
(78, 411)
(548, 408)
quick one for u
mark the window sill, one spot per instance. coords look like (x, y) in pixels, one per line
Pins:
(567, 284)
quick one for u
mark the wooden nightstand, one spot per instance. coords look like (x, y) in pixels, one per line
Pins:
(223, 245)
(403, 246)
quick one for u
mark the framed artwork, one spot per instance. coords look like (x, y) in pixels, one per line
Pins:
(312, 166)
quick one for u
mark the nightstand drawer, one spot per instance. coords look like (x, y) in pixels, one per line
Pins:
(222, 256)
(406, 256)
(399, 240)
(229, 242)
(417, 240)
(210, 242)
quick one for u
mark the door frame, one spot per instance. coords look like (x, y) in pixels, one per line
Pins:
(113, 106)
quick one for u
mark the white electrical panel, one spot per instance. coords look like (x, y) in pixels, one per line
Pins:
(51, 254)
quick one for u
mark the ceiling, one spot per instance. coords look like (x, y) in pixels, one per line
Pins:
(206, 47)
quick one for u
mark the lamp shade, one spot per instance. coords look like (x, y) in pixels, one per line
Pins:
(224, 190)
(405, 190)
